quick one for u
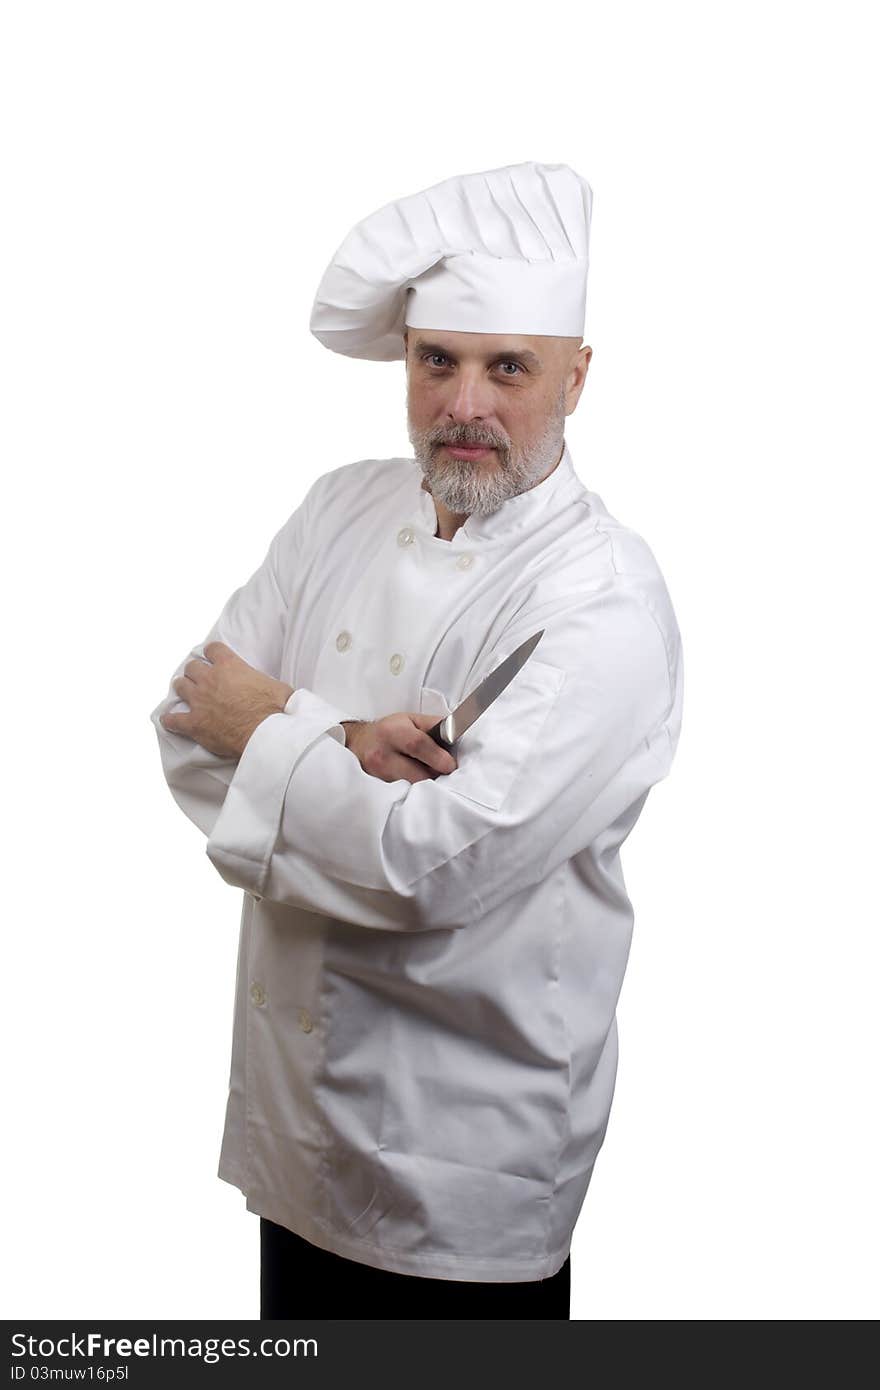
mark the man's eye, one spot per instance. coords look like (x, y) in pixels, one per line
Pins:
(432, 357)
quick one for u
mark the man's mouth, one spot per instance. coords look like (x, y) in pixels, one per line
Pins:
(468, 451)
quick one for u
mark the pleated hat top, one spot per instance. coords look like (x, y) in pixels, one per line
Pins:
(502, 251)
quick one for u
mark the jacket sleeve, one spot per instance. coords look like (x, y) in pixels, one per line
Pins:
(253, 623)
(572, 743)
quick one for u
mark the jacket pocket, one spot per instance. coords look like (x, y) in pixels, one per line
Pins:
(433, 702)
(491, 753)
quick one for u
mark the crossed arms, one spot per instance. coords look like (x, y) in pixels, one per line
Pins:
(228, 699)
(291, 815)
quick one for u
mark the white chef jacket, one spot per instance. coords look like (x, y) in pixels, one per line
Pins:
(425, 1043)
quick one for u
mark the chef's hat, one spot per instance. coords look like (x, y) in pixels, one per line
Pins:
(503, 251)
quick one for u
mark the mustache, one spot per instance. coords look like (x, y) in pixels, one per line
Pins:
(468, 439)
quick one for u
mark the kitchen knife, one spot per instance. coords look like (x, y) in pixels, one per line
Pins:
(453, 725)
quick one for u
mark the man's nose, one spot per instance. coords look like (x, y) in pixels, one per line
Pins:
(470, 398)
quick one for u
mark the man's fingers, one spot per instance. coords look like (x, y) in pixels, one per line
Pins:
(425, 749)
(195, 668)
(175, 724)
(218, 651)
(398, 747)
(408, 768)
(184, 685)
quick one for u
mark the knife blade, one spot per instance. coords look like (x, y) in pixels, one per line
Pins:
(453, 725)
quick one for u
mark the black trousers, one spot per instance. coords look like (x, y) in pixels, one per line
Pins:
(300, 1280)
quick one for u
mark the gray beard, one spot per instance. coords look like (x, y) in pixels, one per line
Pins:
(469, 487)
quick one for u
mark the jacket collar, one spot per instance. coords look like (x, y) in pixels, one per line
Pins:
(516, 514)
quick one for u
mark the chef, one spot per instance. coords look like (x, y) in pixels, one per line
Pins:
(433, 939)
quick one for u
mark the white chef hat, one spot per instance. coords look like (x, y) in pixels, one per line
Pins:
(503, 251)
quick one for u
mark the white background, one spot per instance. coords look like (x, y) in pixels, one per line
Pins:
(176, 177)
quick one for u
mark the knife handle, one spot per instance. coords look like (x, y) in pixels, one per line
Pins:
(442, 733)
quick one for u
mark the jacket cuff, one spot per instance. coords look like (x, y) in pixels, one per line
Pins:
(244, 834)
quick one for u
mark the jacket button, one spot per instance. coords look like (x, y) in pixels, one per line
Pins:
(464, 562)
(396, 664)
(343, 641)
(305, 1020)
(258, 994)
(405, 536)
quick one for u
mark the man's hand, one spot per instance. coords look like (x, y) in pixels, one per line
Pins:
(398, 746)
(227, 699)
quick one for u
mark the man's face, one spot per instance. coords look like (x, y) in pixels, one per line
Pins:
(505, 392)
